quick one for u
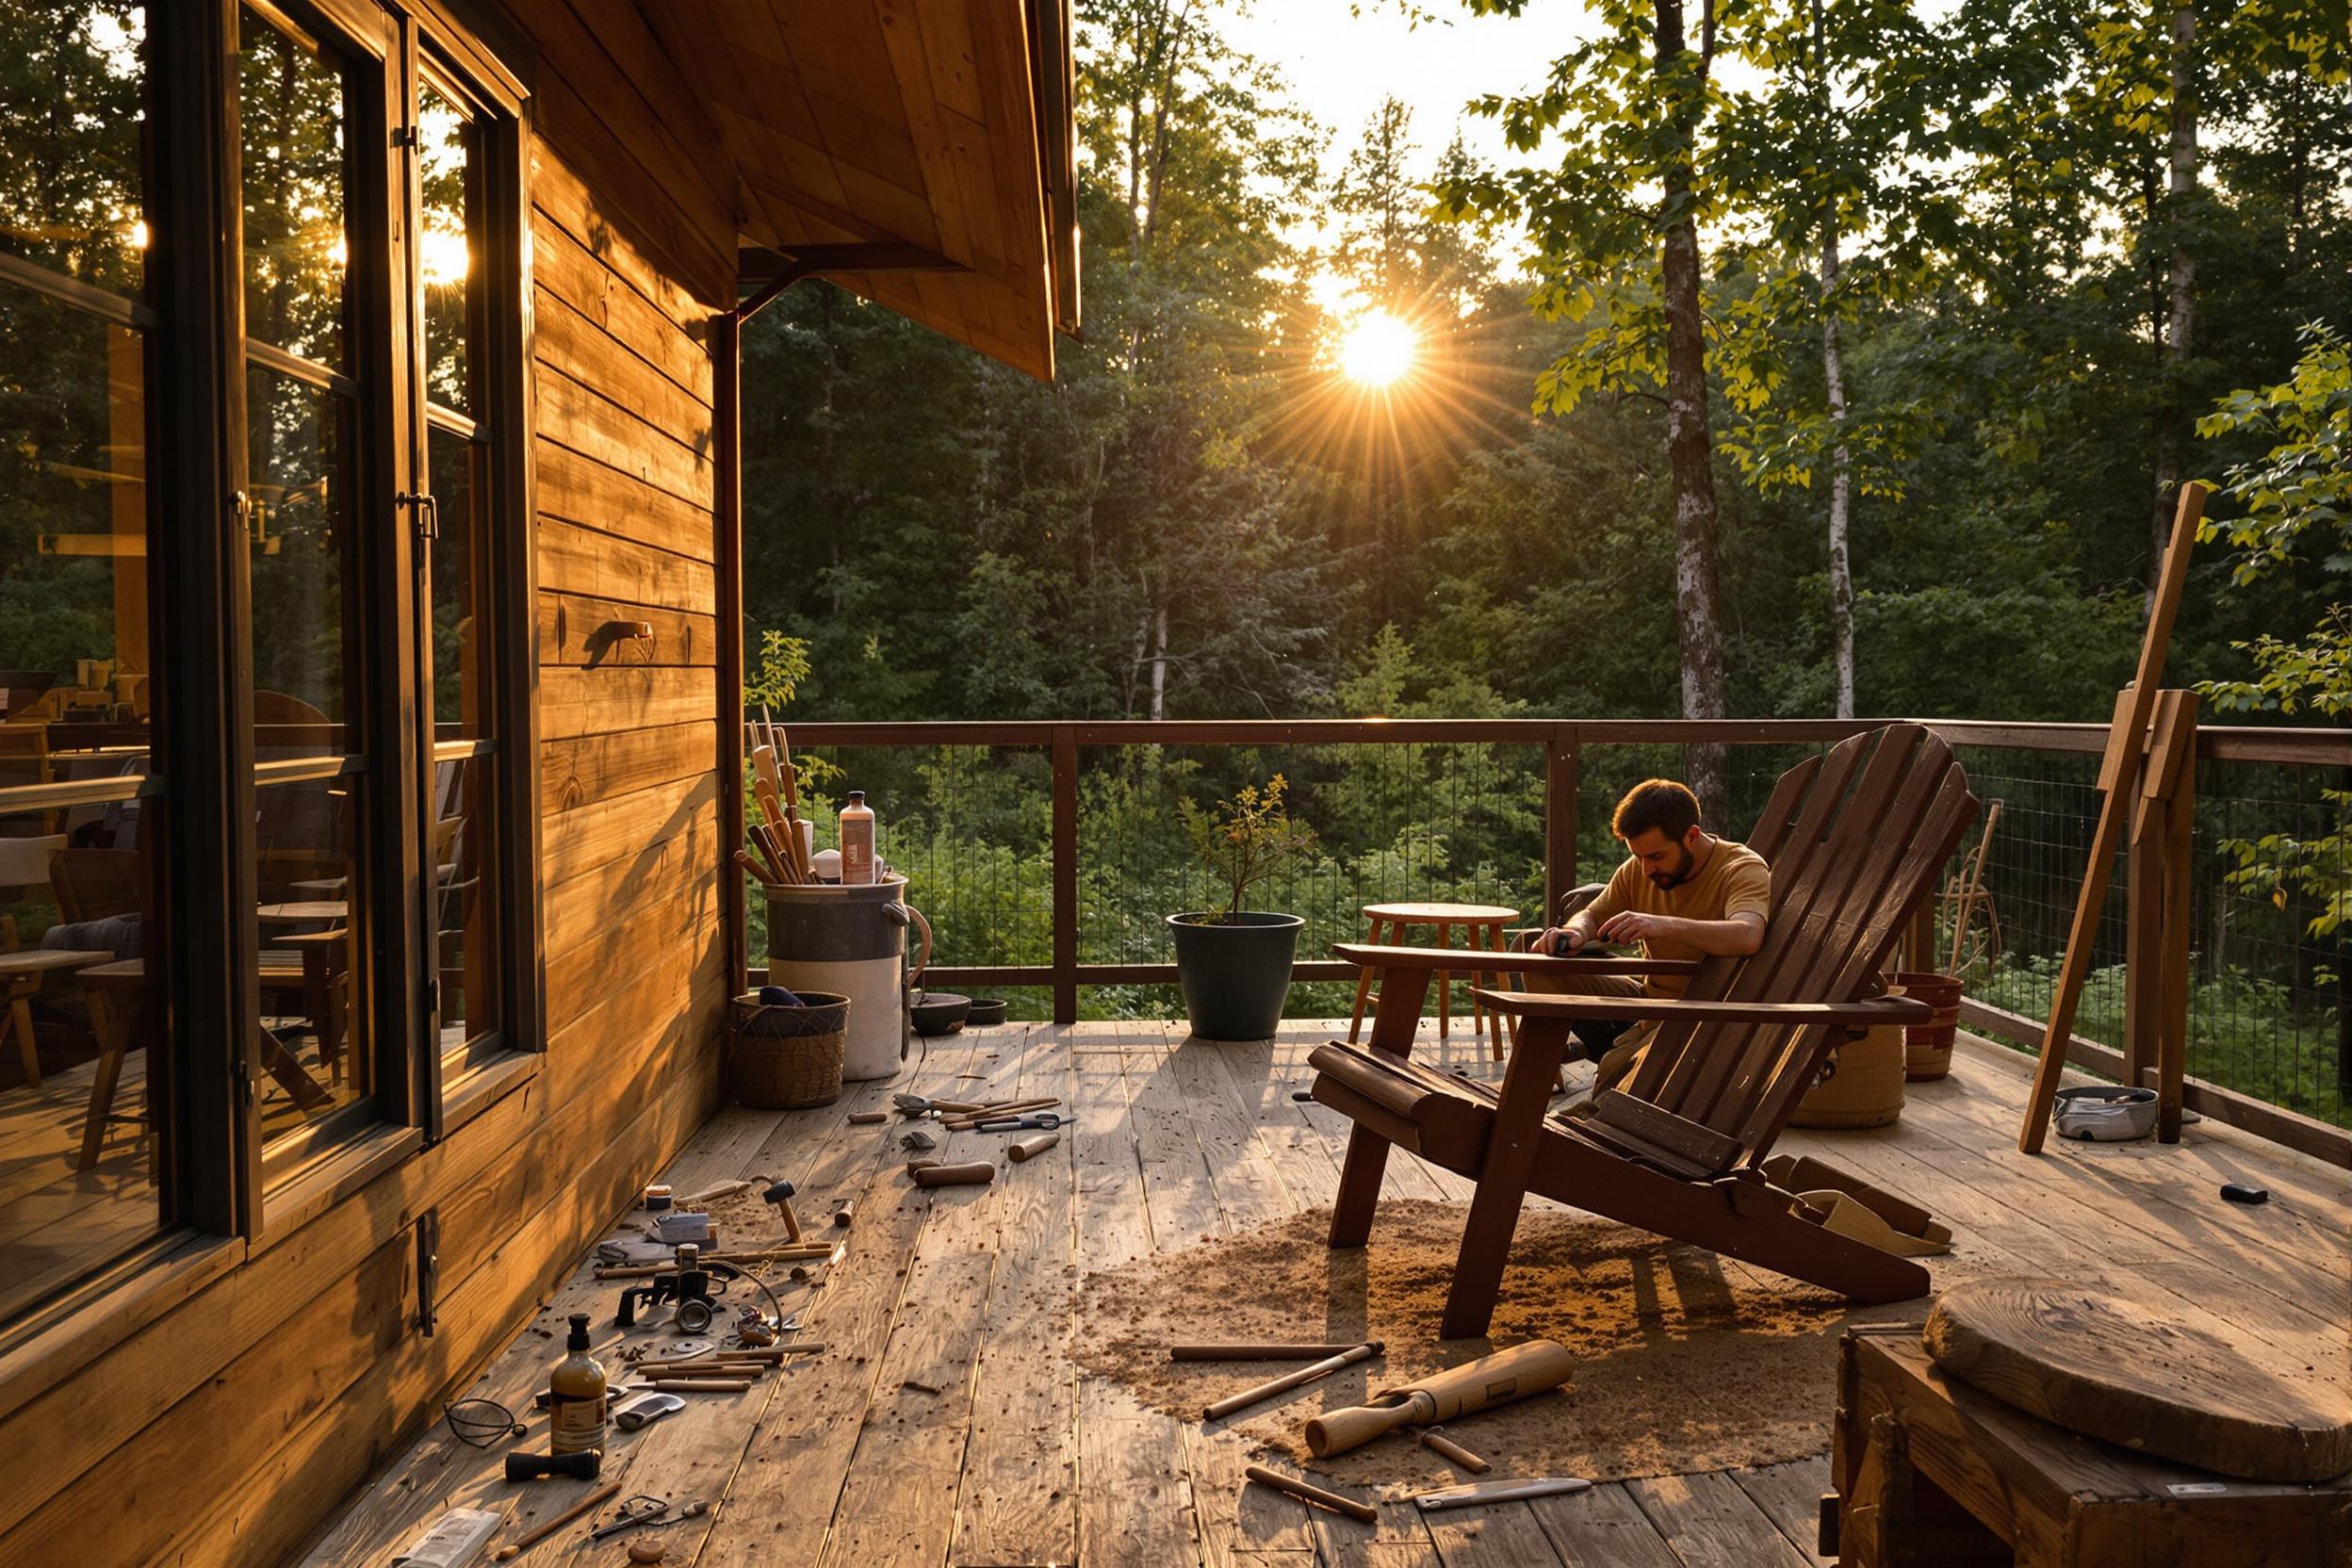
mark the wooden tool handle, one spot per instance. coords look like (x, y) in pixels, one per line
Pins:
(594, 1500)
(1029, 1149)
(1308, 1491)
(1337, 1431)
(1283, 1384)
(696, 1385)
(978, 1173)
(1254, 1352)
(1438, 1442)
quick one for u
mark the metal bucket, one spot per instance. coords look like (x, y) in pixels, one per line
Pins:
(851, 941)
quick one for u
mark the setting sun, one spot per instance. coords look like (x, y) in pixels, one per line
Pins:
(1376, 349)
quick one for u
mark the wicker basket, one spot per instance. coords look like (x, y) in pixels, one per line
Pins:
(787, 1059)
(1927, 1047)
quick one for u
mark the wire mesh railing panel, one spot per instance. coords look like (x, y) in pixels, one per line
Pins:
(2268, 1013)
(1460, 823)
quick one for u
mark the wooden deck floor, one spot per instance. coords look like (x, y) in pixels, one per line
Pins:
(1016, 1461)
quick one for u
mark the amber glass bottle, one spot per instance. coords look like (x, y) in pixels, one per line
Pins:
(575, 1395)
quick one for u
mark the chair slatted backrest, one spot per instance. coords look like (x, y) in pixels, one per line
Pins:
(1854, 837)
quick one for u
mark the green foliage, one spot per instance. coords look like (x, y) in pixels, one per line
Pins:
(1249, 840)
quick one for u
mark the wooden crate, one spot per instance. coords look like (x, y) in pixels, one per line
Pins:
(1930, 1472)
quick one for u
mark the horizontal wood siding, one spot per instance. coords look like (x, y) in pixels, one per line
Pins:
(222, 1431)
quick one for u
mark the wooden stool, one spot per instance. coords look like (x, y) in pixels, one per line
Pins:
(1931, 1471)
(23, 974)
(1484, 925)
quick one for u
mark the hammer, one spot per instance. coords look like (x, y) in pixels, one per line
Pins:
(781, 1196)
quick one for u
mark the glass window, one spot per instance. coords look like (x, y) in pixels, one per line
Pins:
(458, 476)
(83, 1080)
(449, 209)
(72, 123)
(303, 529)
(292, 112)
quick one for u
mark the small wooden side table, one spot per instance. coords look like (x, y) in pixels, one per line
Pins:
(1482, 925)
(1931, 1472)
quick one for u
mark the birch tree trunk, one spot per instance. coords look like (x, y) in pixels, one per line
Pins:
(2172, 420)
(1689, 450)
(1159, 664)
(1840, 480)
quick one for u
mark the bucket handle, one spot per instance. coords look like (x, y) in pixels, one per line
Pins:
(902, 914)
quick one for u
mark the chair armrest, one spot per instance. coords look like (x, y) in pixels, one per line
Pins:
(1668, 1009)
(1465, 961)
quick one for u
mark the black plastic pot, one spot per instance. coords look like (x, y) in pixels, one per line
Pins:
(1235, 976)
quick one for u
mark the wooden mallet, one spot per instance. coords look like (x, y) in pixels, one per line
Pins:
(780, 1195)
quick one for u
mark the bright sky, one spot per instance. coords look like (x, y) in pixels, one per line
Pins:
(1339, 65)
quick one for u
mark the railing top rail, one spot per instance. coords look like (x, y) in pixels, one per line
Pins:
(2318, 747)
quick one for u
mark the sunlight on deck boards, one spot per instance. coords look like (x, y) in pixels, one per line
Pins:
(853, 1460)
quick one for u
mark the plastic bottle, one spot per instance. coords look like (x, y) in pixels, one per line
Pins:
(857, 841)
(575, 1396)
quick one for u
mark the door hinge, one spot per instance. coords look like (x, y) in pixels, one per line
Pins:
(427, 513)
(427, 1268)
(405, 136)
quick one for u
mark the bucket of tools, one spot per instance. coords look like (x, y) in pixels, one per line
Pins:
(1927, 1047)
(787, 1059)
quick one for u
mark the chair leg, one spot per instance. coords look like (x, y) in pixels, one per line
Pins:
(20, 1019)
(1359, 1188)
(1364, 987)
(1444, 986)
(113, 1026)
(1503, 1183)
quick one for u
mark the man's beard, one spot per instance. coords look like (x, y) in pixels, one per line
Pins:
(1669, 880)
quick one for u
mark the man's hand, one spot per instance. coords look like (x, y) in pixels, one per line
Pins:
(1559, 942)
(1631, 926)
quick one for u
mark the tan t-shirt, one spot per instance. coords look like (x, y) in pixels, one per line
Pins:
(1734, 881)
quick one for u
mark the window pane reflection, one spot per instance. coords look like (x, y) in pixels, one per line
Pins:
(73, 628)
(313, 1034)
(295, 543)
(83, 1077)
(70, 183)
(466, 945)
(445, 168)
(290, 108)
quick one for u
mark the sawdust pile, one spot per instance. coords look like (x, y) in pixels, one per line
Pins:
(1685, 1362)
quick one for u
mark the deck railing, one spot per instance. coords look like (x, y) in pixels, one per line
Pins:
(1047, 855)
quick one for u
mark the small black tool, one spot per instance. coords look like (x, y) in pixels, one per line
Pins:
(2238, 1192)
(688, 1285)
(1302, 1096)
(528, 1467)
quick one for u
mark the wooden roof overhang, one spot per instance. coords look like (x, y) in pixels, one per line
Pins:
(916, 152)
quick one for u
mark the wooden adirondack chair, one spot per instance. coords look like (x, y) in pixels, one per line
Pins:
(1855, 837)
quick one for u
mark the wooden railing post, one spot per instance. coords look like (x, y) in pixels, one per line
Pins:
(1561, 757)
(1065, 873)
(2157, 910)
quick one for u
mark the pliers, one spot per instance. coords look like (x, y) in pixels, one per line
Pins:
(1043, 1121)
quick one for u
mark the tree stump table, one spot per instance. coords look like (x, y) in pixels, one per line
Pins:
(1931, 1472)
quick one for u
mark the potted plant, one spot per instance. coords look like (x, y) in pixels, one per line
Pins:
(1235, 962)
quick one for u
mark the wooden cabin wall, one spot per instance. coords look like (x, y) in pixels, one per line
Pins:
(222, 1432)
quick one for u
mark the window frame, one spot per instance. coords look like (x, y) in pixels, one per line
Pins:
(199, 795)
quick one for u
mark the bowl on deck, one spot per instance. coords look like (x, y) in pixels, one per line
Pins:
(985, 1010)
(941, 1012)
